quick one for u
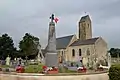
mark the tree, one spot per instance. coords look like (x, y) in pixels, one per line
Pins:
(27, 45)
(6, 47)
(114, 52)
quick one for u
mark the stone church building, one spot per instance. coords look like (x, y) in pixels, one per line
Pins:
(85, 49)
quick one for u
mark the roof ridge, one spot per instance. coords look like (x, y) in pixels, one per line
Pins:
(85, 16)
(64, 36)
(90, 38)
(84, 42)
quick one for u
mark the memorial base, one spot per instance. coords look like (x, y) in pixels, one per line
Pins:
(51, 60)
(84, 70)
(20, 69)
(53, 72)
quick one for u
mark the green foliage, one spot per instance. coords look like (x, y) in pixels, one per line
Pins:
(114, 72)
(65, 70)
(28, 45)
(4, 66)
(33, 68)
(6, 47)
(115, 52)
(91, 68)
(102, 62)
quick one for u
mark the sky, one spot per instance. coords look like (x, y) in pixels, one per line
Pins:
(20, 16)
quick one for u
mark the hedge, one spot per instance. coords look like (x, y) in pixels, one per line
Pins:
(33, 68)
(114, 72)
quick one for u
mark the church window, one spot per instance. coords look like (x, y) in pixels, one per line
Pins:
(88, 25)
(79, 52)
(81, 61)
(62, 53)
(88, 52)
(73, 53)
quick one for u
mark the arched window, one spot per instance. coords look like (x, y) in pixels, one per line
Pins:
(88, 52)
(80, 52)
(73, 53)
(62, 53)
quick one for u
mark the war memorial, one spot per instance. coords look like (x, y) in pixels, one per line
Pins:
(52, 69)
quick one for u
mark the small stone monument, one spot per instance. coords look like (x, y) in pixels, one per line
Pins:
(20, 61)
(8, 60)
(40, 57)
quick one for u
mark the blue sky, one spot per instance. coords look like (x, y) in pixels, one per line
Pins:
(20, 16)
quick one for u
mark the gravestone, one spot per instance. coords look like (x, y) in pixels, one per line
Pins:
(8, 60)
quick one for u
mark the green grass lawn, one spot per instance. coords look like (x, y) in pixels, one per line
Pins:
(33, 68)
(4, 66)
(38, 68)
(65, 70)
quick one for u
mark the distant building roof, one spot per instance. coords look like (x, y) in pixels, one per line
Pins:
(84, 18)
(62, 42)
(84, 42)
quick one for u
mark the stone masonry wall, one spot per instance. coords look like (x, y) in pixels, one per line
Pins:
(103, 76)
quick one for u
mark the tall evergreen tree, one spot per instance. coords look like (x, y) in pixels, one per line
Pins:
(7, 47)
(115, 52)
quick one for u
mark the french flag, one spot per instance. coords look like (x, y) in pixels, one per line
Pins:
(56, 20)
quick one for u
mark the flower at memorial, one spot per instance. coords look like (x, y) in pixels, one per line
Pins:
(44, 67)
(20, 69)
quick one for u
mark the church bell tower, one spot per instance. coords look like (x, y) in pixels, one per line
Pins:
(85, 28)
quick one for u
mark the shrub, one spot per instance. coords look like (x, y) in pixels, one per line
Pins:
(114, 72)
(4, 66)
(91, 68)
(65, 70)
(33, 69)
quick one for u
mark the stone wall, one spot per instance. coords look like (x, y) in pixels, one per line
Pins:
(103, 76)
(101, 49)
(84, 49)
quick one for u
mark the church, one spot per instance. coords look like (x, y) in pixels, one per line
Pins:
(85, 48)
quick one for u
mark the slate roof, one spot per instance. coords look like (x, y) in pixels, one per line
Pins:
(62, 42)
(84, 18)
(84, 42)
